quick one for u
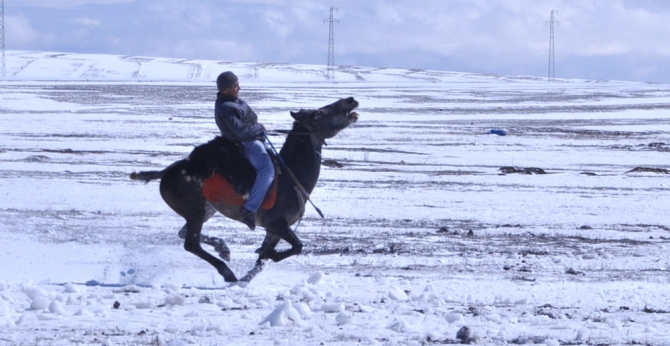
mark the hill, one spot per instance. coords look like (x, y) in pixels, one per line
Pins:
(25, 65)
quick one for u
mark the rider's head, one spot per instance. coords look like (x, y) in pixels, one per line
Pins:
(228, 84)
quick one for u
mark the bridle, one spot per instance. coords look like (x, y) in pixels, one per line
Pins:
(309, 132)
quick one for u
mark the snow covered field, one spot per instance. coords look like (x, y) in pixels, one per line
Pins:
(431, 223)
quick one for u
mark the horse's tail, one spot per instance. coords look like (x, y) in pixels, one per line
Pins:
(147, 176)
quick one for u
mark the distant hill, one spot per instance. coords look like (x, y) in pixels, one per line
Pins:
(25, 65)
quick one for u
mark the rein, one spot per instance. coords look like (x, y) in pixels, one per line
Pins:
(296, 183)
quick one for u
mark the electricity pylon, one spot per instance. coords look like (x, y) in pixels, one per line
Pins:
(552, 65)
(331, 44)
(2, 37)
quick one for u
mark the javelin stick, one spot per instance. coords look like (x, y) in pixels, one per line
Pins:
(293, 177)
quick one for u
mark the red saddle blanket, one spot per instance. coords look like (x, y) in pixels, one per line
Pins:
(218, 189)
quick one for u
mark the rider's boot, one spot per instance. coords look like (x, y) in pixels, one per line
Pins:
(249, 218)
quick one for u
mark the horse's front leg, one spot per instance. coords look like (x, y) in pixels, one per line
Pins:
(265, 252)
(281, 229)
(267, 249)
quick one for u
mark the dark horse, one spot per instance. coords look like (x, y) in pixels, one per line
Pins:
(182, 189)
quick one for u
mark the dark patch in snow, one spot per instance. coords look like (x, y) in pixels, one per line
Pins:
(649, 170)
(527, 170)
(332, 163)
(572, 271)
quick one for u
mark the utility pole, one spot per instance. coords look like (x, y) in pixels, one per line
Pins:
(2, 38)
(331, 44)
(552, 65)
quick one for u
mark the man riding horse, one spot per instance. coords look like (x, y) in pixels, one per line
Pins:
(239, 123)
(213, 177)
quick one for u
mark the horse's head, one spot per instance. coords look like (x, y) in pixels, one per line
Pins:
(327, 121)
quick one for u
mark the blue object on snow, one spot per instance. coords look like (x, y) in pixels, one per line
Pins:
(92, 283)
(499, 132)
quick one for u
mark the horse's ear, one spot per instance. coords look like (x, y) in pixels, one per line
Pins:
(298, 116)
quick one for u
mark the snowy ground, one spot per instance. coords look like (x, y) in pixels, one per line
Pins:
(423, 235)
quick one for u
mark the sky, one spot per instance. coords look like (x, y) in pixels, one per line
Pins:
(594, 39)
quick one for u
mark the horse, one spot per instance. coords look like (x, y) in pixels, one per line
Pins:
(181, 186)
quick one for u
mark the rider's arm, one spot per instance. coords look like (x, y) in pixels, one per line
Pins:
(231, 118)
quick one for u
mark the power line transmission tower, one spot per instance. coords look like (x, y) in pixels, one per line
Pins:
(552, 65)
(331, 44)
(2, 37)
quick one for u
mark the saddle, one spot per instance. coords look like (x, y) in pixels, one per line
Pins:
(226, 175)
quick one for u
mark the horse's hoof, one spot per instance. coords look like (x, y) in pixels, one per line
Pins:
(228, 276)
(242, 284)
(231, 279)
(266, 254)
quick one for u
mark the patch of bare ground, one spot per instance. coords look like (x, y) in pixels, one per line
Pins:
(649, 170)
(522, 170)
(332, 163)
(426, 239)
(655, 146)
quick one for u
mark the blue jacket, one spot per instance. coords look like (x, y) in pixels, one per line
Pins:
(236, 120)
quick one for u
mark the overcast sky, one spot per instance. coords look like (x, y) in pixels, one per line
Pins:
(595, 39)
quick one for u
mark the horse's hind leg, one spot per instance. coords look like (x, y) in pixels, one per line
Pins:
(209, 212)
(192, 245)
(186, 200)
(219, 244)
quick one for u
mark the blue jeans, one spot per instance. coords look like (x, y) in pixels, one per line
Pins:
(255, 152)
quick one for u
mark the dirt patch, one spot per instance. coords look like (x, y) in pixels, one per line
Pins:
(527, 170)
(37, 158)
(659, 146)
(649, 170)
(332, 164)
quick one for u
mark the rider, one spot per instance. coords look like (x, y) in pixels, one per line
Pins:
(239, 123)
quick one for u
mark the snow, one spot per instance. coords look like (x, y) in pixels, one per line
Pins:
(425, 240)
